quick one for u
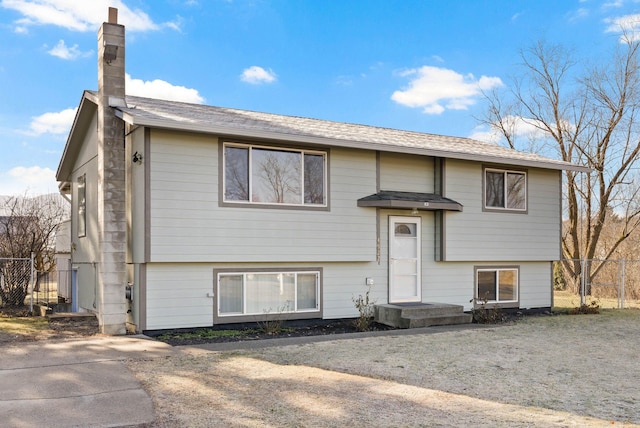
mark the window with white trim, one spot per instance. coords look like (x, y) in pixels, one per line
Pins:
(505, 190)
(262, 293)
(267, 175)
(496, 285)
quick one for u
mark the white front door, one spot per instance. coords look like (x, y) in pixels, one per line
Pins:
(405, 284)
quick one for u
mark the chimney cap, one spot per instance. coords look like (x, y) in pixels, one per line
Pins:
(113, 15)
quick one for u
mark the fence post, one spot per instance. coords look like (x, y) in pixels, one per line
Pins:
(622, 284)
(32, 281)
(582, 284)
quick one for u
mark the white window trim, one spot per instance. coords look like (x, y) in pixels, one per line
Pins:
(506, 195)
(324, 154)
(498, 269)
(244, 294)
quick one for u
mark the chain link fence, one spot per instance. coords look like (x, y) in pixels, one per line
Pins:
(45, 292)
(614, 281)
(16, 281)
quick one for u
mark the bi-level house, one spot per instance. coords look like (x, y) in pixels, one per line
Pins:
(191, 215)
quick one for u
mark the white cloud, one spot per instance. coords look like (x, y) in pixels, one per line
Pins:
(79, 15)
(59, 123)
(525, 127)
(614, 3)
(162, 90)
(52, 123)
(627, 25)
(577, 14)
(519, 127)
(436, 89)
(257, 75)
(486, 134)
(33, 180)
(61, 50)
(344, 80)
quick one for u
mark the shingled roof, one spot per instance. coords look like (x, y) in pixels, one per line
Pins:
(251, 124)
(235, 123)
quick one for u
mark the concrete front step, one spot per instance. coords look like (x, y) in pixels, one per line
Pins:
(435, 320)
(414, 315)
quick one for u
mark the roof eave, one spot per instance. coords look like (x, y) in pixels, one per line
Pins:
(410, 205)
(86, 109)
(331, 142)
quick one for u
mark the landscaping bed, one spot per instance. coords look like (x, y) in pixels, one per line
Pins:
(258, 331)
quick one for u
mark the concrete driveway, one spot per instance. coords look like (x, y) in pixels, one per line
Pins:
(75, 383)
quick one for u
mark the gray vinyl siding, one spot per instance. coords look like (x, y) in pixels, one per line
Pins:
(85, 255)
(136, 197)
(536, 284)
(189, 225)
(454, 282)
(501, 236)
(85, 249)
(192, 234)
(406, 173)
(177, 293)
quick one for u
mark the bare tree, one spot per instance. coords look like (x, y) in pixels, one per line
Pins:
(27, 227)
(587, 117)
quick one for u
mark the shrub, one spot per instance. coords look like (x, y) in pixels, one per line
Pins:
(364, 305)
(592, 308)
(559, 282)
(486, 315)
(272, 323)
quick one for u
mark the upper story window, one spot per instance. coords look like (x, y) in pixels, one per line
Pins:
(505, 190)
(267, 175)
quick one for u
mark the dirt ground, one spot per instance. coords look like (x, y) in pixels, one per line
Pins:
(17, 326)
(543, 371)
(547, 371)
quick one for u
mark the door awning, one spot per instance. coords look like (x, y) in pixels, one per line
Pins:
(409, 200)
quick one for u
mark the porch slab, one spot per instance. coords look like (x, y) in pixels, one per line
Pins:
(415, 315)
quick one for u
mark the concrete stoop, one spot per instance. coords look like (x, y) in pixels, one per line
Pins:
(415, 315)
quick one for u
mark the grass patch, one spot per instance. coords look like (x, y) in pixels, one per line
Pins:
(565, 300)
(24, 326)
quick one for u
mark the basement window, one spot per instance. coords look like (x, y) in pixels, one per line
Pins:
(497, 285)
(268, 293)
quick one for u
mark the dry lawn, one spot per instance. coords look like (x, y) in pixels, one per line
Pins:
(566, 299)
(547, 371)
(20, 328)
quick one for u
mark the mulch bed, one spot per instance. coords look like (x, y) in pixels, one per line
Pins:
(250, 332)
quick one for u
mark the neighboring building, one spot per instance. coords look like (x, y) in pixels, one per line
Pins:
(216, 215)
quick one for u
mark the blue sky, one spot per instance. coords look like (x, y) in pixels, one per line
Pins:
(408, 64)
